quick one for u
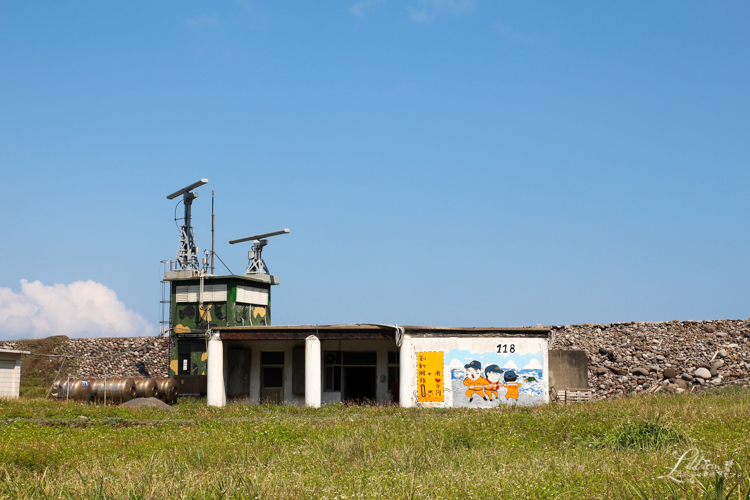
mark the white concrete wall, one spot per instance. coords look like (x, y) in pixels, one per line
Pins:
(381, 347)
(527, 352)
(258, 346)
(10, 377)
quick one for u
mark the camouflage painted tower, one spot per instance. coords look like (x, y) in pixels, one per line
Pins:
(223, 301)
(200, 301)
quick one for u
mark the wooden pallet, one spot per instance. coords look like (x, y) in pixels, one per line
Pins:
(565, 396)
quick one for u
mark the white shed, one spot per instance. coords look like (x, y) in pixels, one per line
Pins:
(10, 373)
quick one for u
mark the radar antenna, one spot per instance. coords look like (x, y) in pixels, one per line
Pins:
(187, 251)
(255, 263)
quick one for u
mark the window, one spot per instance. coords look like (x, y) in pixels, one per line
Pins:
(272, 377)
(272, 358)
(360, 358)
(211, 293)
(334, 361)
(252, 295)
(393, 369)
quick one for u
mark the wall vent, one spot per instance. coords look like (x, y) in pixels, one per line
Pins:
(252, 295)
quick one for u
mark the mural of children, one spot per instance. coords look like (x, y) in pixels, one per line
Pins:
(474, 380)
(493, 373)
(511, 384)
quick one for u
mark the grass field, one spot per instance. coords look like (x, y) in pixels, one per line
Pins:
(612, 449)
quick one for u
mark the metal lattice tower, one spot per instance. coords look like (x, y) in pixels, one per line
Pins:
(256, 264)
(187, 250)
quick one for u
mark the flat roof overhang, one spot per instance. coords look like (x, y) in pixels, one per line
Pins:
(255, 278)
(368, 332)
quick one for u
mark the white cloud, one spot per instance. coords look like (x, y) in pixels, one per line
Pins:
(456, 364)
(80, 309)
(534, 364)
(510, 365)
(428, 9)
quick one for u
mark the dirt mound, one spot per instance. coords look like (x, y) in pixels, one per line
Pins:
(147, 403)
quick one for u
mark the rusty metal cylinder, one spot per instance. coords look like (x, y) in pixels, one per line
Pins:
(97, 388)
(120, 389)
(71, 388)
(145, 387)
(167, 389)
(113, 389)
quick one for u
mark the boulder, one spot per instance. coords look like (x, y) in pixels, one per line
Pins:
(703, 373)
(642, 371)
(670, 373)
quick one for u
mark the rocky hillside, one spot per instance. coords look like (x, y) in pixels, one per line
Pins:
(623, 357)
(97, 357)
(673, 355)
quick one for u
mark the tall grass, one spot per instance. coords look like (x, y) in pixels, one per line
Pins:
(640, 436)
(47, 450)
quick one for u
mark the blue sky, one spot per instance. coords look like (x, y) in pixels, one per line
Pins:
(439, 162)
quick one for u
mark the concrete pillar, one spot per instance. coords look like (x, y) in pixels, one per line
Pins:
(216, 392)
(312, 372)
(406, 374)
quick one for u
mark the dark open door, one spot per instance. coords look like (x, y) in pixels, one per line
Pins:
(238, 376)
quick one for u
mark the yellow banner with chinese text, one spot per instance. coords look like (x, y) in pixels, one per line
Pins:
(430, 376)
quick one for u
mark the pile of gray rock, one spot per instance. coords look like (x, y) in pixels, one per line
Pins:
(623, 358)
(99, 357)
(676, 356)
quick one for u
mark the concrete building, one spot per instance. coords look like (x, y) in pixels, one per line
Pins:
(224, 347)
(10, 373)
(408, 365)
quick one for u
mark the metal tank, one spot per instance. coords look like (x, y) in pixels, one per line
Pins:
(145, 387)
(113, 389)
(71, 388)
(97, 388)
(167, 389)
(120, 389)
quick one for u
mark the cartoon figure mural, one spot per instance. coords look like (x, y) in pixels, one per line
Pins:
(474, 380)
(503, 376)
(493, 374)
(511, 384)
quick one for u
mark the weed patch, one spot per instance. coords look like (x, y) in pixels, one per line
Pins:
(640, 436)
(48, 451)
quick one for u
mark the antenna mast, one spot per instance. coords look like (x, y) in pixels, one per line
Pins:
(213, 227)
(187, 250)
(256, 264)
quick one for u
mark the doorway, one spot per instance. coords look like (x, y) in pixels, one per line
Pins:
(359, 384)
(272, 377)
(238, 379)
